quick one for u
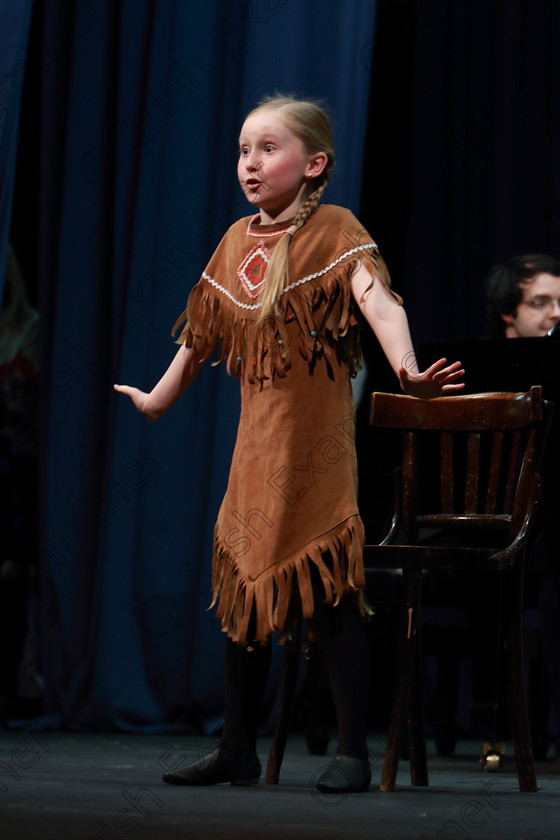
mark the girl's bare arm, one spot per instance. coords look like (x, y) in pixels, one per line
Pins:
(178, 376)
(389, 322)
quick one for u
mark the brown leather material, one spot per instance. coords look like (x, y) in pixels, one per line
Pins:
(291, 499)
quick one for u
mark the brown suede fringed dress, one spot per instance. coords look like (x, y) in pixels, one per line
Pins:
(291, 499)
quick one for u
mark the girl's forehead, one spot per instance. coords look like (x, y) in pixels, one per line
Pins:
(265, 122)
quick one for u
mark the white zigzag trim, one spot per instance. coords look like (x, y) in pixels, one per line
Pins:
(328, 268)
(229, 294)
(309, 277)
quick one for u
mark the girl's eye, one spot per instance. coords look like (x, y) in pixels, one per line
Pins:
(243, 150)
(268, 147)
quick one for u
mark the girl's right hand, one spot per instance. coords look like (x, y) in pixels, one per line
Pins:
(185, 366)
(139, 398)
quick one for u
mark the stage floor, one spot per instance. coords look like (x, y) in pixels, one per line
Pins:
(63, 786)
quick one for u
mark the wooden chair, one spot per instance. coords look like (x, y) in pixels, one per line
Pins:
(469, 463)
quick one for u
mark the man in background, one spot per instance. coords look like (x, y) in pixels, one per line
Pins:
(524, 302)
(524, 297)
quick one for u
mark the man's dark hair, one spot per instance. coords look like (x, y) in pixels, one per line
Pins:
(504, 286)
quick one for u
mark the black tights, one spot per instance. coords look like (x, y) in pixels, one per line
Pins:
(246, 676)
(343, 639)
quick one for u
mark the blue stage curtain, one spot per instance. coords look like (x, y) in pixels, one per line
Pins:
(142, 102)
(14, 29)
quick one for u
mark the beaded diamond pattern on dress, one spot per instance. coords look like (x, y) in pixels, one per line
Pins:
(252, 270)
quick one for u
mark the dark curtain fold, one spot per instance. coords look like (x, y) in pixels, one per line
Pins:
(142, 104)
(467, 164)
(461, 172)
(14, 31)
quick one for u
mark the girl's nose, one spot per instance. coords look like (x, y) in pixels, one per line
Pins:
(253, 162)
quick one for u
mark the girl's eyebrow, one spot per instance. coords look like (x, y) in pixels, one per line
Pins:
(266, 136)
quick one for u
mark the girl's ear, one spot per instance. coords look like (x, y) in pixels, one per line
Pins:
(316, 165)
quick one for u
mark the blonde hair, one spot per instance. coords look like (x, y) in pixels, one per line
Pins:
(308, 121)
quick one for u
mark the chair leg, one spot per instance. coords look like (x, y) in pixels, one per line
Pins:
(285, 707)
(396, 727)
(516, 682)
(405, 659)
(416, 734)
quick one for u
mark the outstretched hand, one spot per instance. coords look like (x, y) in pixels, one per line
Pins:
(137, 396)
(436, 381)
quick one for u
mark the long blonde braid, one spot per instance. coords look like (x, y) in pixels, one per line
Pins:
(277, 270)
(309, 121)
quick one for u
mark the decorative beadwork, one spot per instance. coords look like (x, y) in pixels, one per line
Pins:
(228, 294)
(273, 233)
(252, 270)
(254, 306)
(329, 267)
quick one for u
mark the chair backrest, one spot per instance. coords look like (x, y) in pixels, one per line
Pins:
(468, 461)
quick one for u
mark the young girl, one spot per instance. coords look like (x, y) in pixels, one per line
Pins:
(279, 298)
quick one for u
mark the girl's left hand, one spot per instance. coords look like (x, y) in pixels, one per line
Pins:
(436, 381)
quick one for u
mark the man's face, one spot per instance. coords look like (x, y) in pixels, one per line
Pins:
(539, 310)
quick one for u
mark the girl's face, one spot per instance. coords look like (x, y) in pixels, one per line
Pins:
(275, 167)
